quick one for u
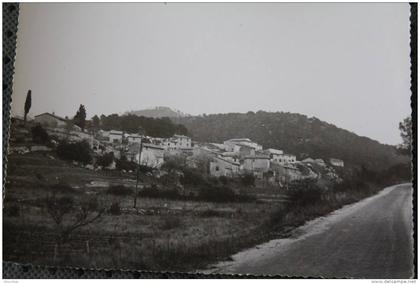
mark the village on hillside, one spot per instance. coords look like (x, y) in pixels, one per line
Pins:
(84, 192)
(232, 158)
(157, 140)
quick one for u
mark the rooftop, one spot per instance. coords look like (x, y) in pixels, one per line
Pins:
(257, 158)
(52, 115)
(274, 151)
(153, 146)
(229, 154)
(239, 140)
(227, 161)
(180, 136)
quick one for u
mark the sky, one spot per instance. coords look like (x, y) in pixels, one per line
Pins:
(344, 63)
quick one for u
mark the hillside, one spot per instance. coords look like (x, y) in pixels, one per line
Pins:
(129, 123)
(293, 133)
(158, 112)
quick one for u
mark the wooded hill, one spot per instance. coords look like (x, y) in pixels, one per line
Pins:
(156, 127)
(158, 112)
(294, 133)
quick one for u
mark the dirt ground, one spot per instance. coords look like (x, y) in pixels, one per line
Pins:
(161, 234)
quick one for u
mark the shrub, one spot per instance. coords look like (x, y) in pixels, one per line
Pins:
(192, 177)
(397, 173)
(115, 209)
(277, 216)
(124, 164)
(217, 194)
(74, 151)
(145, 169)
(105, 160)
(224, 180)
(170, 222)
(39, 135)
(303, 193)
(120, 190)
(153, 192)
(173, 163)
(248, 180)
(57, 207)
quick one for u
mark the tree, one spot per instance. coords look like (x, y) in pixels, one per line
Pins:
(40, 135)
(68, 127)
(70, 215)
(95, 122)
(406, 135)
(105, 160)
(74, 151)
(80, 117)
(28, 103)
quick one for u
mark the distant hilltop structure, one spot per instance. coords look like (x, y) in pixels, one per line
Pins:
(158, 112)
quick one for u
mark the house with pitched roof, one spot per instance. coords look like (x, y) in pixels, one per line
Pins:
(50, 120)
(220, 166)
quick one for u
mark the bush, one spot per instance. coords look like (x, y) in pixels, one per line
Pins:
(40, 135)
(217, 194)
(57, 207)
(248, 180)
(124, 164)
(105, 160)
(173, 163)
(115, 209)
(397, 173)
(192, 177)
(303, 193)
(74, 151)
(145, 169)
(224, 180)
(120, 190)
(170, 222)
(153, 192)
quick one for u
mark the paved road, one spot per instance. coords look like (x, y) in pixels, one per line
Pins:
(370, 239)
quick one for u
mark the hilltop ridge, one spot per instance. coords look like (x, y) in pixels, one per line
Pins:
(294, 133)
(158, 112)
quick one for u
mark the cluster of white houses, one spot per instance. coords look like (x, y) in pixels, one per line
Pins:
(233, 157)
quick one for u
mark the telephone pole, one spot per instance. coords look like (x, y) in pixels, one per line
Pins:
(138, 174)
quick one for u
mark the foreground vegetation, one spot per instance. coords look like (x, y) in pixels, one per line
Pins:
(60, 214)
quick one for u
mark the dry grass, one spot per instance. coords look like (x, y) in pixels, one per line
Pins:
(160, 234)
(164, 234)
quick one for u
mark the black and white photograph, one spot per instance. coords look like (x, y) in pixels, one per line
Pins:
(261, 139)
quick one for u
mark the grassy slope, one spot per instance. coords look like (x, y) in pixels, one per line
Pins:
(177, 235)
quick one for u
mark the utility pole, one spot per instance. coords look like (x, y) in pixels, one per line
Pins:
(138, 174)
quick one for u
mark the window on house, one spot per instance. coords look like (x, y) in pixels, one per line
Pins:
(217, 168)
